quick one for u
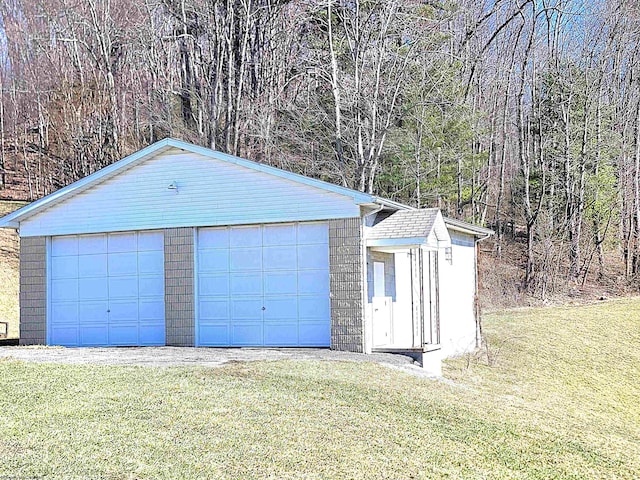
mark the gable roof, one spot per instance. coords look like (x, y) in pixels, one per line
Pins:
(12, 220)
(407, 223)
(410, 227)
(359, 198)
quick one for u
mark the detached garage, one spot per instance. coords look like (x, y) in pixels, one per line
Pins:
(181, 245)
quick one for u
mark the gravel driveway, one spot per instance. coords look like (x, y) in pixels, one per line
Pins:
(189, 356)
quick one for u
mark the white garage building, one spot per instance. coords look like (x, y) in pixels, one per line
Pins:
(181, 245)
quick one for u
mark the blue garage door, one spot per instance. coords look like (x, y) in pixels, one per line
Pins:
(107, 289)
(264, 285)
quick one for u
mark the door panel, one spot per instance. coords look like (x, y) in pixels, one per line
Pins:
(213, 285)
(151, 310)
(279, 235)
(64, 335)
(279, 258)
(246, 308)
(283, 334)
(313, 282)
(92, 244)
(150, 241)
(151, 263)
(123, 287)
(125, 263)
(150, 335)
(122, 334)
(92, 265)
(280, 308)
(63, 267)
(312, 257)
(314, 334)
(122, 242)
(214, 260)
(94, 335)
(314, 307)
(245, 259)
(62, 313)
(64, 246)
(151, 286)
(94, 288)
(214, 309)
(215, 334)
(245, 237)
(246, 334)
(316, 233)
(65, 289)
(213, 238)
(246, 284)
(280, 283)
(93, 312)
(123, 311)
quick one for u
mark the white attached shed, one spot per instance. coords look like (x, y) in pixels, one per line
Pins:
(181, 245)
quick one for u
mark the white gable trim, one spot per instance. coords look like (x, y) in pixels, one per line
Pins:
(13, 220)
(443, 239)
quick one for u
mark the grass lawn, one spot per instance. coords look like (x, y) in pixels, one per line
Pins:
(559, 400)
(9, 271)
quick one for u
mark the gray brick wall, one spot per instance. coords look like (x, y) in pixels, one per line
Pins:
(33, 291)
(345, 266)
(179, 287)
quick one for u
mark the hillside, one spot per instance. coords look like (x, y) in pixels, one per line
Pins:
(493, 111)
(9, 272)
(501, 280)
(17, 187)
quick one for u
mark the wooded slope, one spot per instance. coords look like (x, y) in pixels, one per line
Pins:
(520, 115)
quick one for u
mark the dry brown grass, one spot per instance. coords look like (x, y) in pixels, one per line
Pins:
(9, 271)
(501, 279)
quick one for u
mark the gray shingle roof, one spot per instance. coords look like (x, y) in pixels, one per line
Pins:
(406, 224)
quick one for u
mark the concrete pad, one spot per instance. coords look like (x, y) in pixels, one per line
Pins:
(189, 356)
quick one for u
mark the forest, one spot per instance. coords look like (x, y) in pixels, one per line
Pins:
(520, 115)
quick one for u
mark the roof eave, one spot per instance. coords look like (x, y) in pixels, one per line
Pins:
(464, 227)
(392, 204)
(9, 224)
(396, 242)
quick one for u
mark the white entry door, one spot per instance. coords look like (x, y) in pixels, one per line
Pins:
(107, 289)
(264, 285)
(382, 320)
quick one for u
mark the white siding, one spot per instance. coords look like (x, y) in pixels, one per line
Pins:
(457, 296)
(210, 192)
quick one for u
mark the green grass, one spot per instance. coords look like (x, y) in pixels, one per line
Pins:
(9, 271)
(559, 400)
